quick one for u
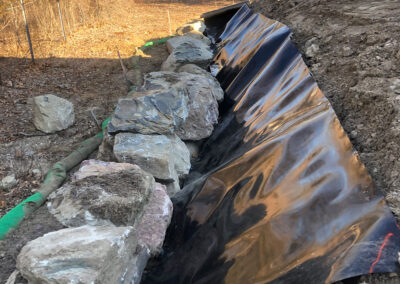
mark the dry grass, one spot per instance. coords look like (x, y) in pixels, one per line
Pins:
(94, 29)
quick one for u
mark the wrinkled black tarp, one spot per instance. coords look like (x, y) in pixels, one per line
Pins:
(279, 196)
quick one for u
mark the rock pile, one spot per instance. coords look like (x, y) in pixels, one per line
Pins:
(176, 105)
(117, 210)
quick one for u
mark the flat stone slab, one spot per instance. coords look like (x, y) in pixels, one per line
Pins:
(79, 255)
(52, 113)
(93, 167)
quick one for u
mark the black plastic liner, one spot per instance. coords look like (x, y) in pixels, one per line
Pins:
(280, 195)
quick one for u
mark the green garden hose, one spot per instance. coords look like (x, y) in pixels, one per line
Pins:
(54, 178)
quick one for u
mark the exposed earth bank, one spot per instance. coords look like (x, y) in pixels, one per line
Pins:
(353, 51)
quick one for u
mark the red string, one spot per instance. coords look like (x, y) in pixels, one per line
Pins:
(371, 269)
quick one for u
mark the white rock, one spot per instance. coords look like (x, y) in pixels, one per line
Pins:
(8, 182)
(195, 25)
(52, 113)
(79, 255)
(37, 172)
(312, 50)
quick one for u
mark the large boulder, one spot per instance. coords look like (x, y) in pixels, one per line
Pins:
(156, 218)
(80, 255)
(149, 112)
(168, 79)
(52, 113)
(202, 92)
(184, 50)
(184, 41)
(193, 26)
(165, 157)
(163, 80)
(103, 195)
(203, 109)
(199, 36)
(214, 84)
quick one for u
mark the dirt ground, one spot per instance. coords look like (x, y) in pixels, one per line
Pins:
(353, 51)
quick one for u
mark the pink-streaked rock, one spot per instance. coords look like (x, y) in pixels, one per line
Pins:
(156, 218)
(97, 168)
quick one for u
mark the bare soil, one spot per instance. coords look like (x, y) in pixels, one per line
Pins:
(355, 60)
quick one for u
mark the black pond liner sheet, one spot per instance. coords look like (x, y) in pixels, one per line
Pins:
(280, 195)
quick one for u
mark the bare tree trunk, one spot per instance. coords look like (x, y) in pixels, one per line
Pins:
(61, 20)
(28, 35)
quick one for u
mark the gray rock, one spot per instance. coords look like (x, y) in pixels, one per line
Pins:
(203, 109)
(52, 113)
(202, 92)
(312, 50)
(195, 25)
(311, 47)
(156, 218)
(184, 41)
(117, 197)
(163, 80)
(186, 50)
(137, 265)
(199, 36)
(80, 255)
(168, 79)
(214, 84)
(165, 157)
(8, 182)
(149, 112)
